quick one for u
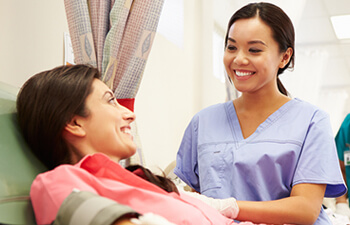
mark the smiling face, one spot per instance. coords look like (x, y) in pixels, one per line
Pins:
(107, 126)
(252, 57)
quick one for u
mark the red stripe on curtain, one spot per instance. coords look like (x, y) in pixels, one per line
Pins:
(127, 102)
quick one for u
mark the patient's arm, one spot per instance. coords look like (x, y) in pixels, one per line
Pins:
(82, 207)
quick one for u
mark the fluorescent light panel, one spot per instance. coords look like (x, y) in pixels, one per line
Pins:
(341, 26)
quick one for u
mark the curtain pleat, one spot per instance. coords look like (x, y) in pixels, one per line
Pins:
(99, 17)
(129, 57)
(118, 19)
(116, 37)
(80, 31)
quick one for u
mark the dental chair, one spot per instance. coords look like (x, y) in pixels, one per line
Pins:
(18, 166)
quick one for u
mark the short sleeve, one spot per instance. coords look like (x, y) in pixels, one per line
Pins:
(186, 161)
(318, 162)
(82, 207)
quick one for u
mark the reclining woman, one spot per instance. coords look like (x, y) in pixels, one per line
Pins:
(74, 125)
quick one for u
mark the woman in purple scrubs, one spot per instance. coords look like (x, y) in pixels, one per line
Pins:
(274, 154)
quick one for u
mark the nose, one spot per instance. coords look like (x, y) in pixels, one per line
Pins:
(240, 58)
(128, 115)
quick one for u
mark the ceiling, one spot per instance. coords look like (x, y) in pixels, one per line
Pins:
(315, 28)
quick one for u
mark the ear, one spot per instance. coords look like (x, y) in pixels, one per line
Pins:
(286, 57)
(75, 128)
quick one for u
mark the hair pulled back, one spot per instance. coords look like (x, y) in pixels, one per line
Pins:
(280, 24)
(46, 103)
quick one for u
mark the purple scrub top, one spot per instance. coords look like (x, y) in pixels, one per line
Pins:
(293, 145)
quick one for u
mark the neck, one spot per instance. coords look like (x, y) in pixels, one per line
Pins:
(257, 102)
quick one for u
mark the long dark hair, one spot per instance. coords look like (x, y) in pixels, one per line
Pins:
(47, 102)
(280, 24)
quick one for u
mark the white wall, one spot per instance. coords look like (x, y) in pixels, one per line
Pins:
(177, 82)
(31, 38)
(171, 91)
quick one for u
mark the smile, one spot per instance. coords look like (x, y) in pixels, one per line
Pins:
(126, 130)
(243, 73)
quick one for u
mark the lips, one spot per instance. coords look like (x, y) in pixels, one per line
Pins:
(242, 73)
(126, 130)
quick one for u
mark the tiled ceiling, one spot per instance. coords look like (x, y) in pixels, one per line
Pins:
(315, 29)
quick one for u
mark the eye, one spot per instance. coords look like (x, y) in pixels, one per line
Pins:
(231, 47)
(112, 101)
(255, 50)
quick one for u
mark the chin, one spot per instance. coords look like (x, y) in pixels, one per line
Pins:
(132, 151)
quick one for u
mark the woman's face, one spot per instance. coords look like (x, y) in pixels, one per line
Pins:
(107, 127)
(252, 57)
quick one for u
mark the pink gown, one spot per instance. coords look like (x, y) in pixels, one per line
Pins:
(100, 175)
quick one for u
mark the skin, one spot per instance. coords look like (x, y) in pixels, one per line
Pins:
(343, 198)
(123, 221)
(107, 120)
(251, 49)
(106, 129)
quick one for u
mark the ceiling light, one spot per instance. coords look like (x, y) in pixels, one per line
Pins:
(341, 26)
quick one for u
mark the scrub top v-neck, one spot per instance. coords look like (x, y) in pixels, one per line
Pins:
(236, 127)
(293, 145)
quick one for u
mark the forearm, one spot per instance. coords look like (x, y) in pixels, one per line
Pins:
(292, 210)
(342, 199)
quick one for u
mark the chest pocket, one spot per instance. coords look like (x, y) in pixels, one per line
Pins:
(211, 165)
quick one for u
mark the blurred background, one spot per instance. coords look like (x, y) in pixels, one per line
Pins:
(184, 72)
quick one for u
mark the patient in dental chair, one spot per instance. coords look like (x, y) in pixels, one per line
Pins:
(75, 126)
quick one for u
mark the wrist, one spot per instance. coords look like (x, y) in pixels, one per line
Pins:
(341, 199)
(342, 204)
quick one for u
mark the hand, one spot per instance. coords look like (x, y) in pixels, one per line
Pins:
(123, 221)
(342, 209)
(227, 207)
(151, 219)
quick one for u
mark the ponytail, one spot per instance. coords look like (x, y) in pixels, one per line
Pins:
(281, 88)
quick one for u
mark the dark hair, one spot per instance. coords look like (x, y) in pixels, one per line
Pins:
(48, 101)
(280, 24)
(160, 181)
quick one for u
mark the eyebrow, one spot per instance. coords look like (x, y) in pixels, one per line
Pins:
(108, 92)
(249, 42)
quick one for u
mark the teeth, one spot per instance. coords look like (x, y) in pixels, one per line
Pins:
(126, 130)
(241, 74)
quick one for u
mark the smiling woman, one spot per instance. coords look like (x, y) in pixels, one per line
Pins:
(252, 54)
(274, 154)
(106, 120)
(75, 126)
(266, 34)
